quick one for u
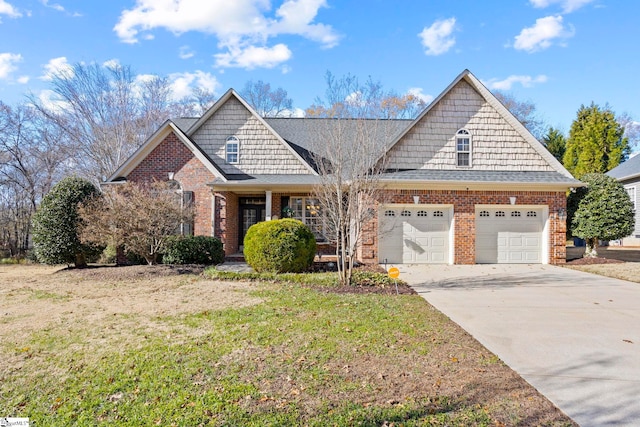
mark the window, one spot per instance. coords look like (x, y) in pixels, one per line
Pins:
(484, 213)
(532, 214)
(405, 213)
(185, 198)
(632, 195)
(389, 213)
(438, 213)
(422, 213)
(232, 150)
(515, 213)
(463, 148)
(308, 210)
(500, 213)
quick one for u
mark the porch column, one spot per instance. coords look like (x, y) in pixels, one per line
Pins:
(268, 206)
(213, 214)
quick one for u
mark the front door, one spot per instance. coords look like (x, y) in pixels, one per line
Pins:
(252, 211)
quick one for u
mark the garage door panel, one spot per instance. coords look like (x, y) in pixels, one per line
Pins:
(423, 235)
(509, 235)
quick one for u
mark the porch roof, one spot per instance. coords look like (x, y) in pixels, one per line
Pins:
(534, 180)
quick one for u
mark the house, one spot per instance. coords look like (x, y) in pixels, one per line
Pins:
(628, 173)
(465, 182)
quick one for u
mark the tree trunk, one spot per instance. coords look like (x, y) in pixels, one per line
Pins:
(81, 261)
(591, 250)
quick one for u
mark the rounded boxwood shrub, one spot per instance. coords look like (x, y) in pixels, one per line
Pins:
(193, 250)
(279, 246)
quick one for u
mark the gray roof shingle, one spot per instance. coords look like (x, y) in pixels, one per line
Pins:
(432, 175)
(626, 170)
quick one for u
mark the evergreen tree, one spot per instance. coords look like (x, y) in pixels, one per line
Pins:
(56, 223)
(600, 211)
(555, 142)
(596, 142)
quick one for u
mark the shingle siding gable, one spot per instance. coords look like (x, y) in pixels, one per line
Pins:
(430, 144)
(261, 152)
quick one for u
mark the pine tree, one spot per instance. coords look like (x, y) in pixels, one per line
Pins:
(555, 142)
(596, 142)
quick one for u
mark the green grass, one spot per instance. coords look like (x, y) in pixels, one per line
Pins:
(296, 339)
(359, 278)
(300, 357)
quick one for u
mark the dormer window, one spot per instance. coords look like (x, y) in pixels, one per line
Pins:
(463, 148)
(232, 150)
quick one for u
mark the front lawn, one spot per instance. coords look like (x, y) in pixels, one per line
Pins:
(147, 346)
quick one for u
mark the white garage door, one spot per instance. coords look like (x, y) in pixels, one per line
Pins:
(510, 235)
(414, 234)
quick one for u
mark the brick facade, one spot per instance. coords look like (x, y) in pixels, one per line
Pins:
(464, 207)
(172, 156)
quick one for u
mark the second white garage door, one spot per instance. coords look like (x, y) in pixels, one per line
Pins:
(414, 234)
(509, 235)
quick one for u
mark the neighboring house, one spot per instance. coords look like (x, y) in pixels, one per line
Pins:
(628, 174)
(465, 183)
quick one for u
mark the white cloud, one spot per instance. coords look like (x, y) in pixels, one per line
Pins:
(56, 66)
(186, 52)
(111, 64)
(9, 10)
(243, 27)
(23, 80)
(8, 63)
(507, 84)
(252, 57)
(182, 84)
(54, 6)
(417, 92)
(52, 102)
(437, 39)
(542, 34)
(297, 112)
(568, 6)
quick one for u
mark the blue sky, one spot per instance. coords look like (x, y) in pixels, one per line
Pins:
(558, 54)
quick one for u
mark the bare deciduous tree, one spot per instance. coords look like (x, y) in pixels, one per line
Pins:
(267, 102)
(138, 217)
(354, 129)
(631, 128)
(525, 112)
(106, 112)
(32, 159)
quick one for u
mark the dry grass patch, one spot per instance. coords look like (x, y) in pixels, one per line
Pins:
(157, 346)
(625, 270)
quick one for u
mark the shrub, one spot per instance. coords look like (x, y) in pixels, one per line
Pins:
(193, 250)
(279, 246)
(56, 223)
(371, 278)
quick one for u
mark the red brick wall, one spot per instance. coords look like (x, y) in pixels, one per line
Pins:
(464, 216)
(171, 155)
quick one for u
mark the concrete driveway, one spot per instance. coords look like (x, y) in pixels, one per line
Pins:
(574, 336)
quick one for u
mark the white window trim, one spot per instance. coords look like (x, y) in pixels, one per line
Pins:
(232, 140)
(464, 134)
(631, 191)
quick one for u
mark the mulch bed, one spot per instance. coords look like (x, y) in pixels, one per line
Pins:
(596, 260)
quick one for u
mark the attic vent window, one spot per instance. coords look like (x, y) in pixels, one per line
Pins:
(463, 148)
(232, 149)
